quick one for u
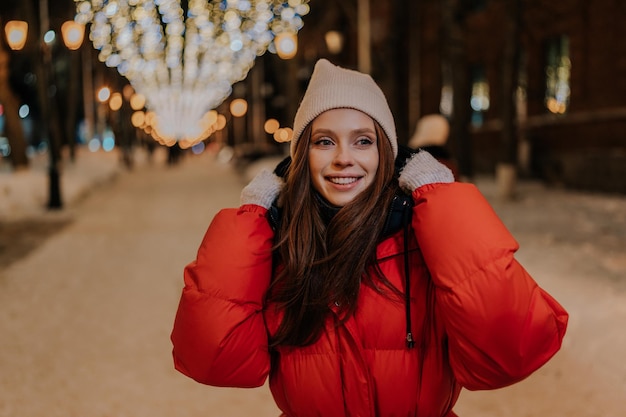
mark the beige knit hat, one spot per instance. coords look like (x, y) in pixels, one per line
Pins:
(333, 87)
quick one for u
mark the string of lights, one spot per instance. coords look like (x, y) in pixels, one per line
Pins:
(185, 61)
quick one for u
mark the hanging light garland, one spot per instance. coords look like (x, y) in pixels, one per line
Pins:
(185, 61)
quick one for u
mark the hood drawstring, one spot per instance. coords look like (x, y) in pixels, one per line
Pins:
(410, 343)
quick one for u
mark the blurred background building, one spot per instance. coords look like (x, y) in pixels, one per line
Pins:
(530, 88)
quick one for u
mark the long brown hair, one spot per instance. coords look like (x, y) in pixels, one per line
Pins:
(324, 262)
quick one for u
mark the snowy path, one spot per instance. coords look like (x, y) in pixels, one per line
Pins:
(85, 318)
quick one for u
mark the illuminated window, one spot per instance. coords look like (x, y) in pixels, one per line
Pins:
(445, 106)
(447, 93)
(480, 95)
(558, 70)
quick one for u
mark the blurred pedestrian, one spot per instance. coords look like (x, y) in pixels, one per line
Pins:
(431, 134)
(359, 288)
(174, 154)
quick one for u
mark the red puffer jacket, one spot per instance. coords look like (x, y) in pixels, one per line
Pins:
(493, 325)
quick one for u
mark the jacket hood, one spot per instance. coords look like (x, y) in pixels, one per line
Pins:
(399, 208)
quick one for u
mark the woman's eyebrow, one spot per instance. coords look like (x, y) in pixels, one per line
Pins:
(364, 130)
(322, 131)
(325, 131)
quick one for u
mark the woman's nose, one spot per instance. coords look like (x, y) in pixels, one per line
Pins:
(343, 156)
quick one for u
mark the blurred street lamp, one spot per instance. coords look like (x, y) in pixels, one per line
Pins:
(271, 126)
(16, 31)
(283, 134)
(49, 37)
(73, 34)
(137, 101)
(221, 122)
(286, 45)
(116, 101)
(103, 94)
(238, 107)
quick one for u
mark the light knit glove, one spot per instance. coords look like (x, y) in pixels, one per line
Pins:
(262, 190)
(421, 169)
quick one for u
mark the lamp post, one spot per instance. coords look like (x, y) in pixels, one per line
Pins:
(49, 114)
(49, 111)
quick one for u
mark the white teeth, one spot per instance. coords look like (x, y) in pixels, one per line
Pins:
(343, 181)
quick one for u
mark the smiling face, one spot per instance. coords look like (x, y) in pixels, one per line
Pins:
(343, 154)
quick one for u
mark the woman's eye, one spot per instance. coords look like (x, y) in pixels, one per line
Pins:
(323, 142)
(365, 141)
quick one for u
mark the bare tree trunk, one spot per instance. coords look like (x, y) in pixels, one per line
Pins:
(50, 122)
(14, 130)
(455, 52)
(364, 36)
(414, 107)
(400, 78)
(506, 170)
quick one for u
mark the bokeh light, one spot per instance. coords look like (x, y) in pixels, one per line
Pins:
(185, 62)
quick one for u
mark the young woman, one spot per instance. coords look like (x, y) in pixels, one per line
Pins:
(361, 286)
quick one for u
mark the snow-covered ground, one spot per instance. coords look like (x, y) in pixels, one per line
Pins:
(24, 193)
(85, 317)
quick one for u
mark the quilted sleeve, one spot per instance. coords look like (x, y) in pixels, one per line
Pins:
(501, 326)
(219, 336)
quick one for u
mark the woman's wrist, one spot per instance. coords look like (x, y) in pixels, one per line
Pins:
(421, 169)
(262, 190)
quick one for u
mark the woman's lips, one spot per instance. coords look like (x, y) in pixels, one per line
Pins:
(343, 180)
